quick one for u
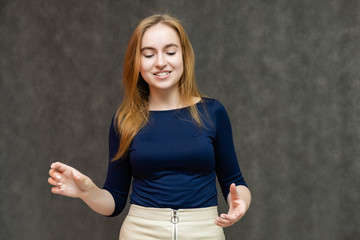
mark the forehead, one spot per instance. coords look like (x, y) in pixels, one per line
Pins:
(160, 35)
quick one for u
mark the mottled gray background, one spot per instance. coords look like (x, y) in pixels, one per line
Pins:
(287, 72)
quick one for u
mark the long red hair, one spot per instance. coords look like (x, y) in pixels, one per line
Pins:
(133, 113)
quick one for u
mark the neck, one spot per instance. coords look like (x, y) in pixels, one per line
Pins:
(164, 100)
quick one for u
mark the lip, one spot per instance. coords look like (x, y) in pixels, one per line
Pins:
(164, 76)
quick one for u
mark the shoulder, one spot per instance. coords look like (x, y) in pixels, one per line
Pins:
(215, 111)
(212, 105)
(218, 114)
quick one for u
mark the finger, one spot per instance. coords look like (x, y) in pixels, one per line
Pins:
(55, 175)
(223, 222)
(217, 222)
(229, 217)
(226, 220)
(58, 166)
(54, 182)
(57, 190)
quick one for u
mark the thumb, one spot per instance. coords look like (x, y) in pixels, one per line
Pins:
(78, 178)
(233, 190)
(81, 180)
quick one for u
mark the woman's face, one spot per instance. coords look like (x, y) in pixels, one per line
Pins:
(161, 64)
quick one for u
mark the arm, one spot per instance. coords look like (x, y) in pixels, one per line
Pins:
(110, 200)
(233, 185)
(119, 174)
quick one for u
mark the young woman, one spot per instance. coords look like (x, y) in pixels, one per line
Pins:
(169, 142)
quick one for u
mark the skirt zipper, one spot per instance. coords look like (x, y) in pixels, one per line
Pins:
(175, 220)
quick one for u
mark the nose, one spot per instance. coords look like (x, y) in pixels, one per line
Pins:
(160, 61)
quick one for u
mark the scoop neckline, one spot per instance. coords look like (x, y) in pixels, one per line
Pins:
(177, 109)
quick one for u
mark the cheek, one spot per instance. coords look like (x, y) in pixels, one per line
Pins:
(145, 65)
(178, 63)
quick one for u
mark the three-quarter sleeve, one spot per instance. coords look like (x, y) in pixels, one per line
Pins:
(227, 166)
(119, 175)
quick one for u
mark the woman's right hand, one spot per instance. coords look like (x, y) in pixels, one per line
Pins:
(68, 181)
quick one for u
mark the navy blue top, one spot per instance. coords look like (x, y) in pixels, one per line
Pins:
(173, 163)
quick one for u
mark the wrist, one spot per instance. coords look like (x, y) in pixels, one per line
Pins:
(88, 191)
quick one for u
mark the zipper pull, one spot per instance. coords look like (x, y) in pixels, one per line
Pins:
(174, 218)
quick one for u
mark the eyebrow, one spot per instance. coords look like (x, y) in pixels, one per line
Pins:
(166, 46)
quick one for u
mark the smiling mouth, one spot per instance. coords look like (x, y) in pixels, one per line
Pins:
(162, 73)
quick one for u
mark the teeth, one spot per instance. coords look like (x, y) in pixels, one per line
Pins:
(162, 73)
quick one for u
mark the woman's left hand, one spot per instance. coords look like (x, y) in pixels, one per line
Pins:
(238, 206)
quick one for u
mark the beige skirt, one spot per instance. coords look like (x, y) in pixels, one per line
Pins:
(144, 223)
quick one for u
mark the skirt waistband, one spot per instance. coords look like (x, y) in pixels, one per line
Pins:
(165, 214)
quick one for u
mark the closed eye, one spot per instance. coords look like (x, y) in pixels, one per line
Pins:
(171, 53)
(149, 56)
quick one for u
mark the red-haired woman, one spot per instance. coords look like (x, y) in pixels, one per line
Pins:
(169, 141)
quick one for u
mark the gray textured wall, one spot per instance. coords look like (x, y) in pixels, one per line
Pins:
(287, 72)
